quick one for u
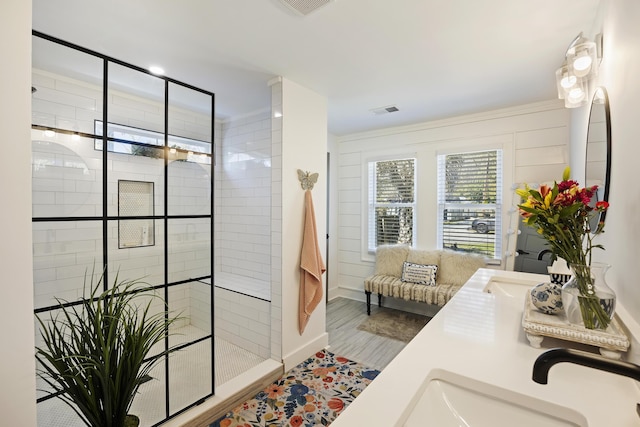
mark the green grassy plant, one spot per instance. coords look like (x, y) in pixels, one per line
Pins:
(94, 354)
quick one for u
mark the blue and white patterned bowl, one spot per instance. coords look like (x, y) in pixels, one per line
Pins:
(547, 297)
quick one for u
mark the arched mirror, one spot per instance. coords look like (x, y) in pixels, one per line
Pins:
(598, 158)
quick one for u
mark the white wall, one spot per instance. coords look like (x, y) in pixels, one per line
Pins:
(304, 146)
(535, 142)
(619, 73)
(17, 365)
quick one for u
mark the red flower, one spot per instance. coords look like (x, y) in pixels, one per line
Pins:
(602, 206)
(336, 404)
(585, 196)
(296, 421)
(565, 185)
(320, 355)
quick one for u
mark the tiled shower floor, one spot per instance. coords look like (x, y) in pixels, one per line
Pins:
(187, 384)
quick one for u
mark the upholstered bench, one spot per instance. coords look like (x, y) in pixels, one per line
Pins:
(418, 275)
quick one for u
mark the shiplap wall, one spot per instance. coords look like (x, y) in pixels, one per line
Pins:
(535, 141)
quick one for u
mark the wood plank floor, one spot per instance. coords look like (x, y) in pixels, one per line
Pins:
(343, 317)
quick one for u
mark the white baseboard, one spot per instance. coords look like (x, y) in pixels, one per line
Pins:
(303, 353)
(353, 294)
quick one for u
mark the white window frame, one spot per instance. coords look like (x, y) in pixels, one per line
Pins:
(369, 225)
(497, 206)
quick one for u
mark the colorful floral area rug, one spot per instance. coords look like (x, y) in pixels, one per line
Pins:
(313, 393)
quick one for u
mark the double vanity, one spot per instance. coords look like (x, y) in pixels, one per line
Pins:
(472, 365)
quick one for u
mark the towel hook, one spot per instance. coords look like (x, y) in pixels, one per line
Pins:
(307, 179)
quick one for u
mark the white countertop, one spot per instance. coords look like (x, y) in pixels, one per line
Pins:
(479, 335)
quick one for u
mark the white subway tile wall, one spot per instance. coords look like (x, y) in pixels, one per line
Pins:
(243, 199)
(243, 320)
(243, 233)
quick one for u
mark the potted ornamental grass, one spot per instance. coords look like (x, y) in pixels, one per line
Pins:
(95, 353)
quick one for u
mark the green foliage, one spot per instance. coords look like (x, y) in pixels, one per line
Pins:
(94, 354)
(147, 151)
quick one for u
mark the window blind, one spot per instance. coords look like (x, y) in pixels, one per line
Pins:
(391, 202)
(470, 202)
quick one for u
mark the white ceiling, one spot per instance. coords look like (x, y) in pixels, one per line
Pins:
(431, 58)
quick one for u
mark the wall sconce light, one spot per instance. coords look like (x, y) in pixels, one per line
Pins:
(579, 67)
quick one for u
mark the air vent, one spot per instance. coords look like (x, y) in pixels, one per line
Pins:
(305, 7)
(385, 110)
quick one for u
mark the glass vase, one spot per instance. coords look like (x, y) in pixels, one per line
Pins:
(587, 299)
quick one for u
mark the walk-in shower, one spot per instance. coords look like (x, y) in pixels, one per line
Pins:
(123, 180)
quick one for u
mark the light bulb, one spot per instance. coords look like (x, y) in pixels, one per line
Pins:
(576, 95)
(582, 64)
(568, 81)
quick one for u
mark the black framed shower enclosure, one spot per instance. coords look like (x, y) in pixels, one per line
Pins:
(123, 183)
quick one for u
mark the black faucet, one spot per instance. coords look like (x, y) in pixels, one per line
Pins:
(543, 253)
(546, 360)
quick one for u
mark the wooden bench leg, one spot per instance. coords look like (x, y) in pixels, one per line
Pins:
(368, 302)
(379, 300)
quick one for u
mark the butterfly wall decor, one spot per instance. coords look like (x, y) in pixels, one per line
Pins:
(307, 179)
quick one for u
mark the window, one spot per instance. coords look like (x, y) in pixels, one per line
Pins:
(391, 203)
(142, 142)
(470, 202)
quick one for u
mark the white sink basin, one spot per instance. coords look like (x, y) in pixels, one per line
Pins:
(509, 287)
(452, 400)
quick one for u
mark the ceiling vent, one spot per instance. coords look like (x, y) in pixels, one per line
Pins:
(304, 7)
(385, 110)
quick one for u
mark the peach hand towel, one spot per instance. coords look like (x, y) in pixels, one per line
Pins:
(311, 266)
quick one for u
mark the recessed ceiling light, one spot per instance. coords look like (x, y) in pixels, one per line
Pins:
(158, 71)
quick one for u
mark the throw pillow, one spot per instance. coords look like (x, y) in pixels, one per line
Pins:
(420, 274)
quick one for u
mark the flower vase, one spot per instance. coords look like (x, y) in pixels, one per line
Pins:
(587, 299)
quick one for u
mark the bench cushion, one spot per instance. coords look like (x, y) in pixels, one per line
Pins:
(390, 258)
(456, 268)
(390, 286)
(418, 256)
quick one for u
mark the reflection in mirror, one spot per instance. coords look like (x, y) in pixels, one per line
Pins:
(598, 158)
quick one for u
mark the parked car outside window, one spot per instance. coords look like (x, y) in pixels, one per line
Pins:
(483, 225)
